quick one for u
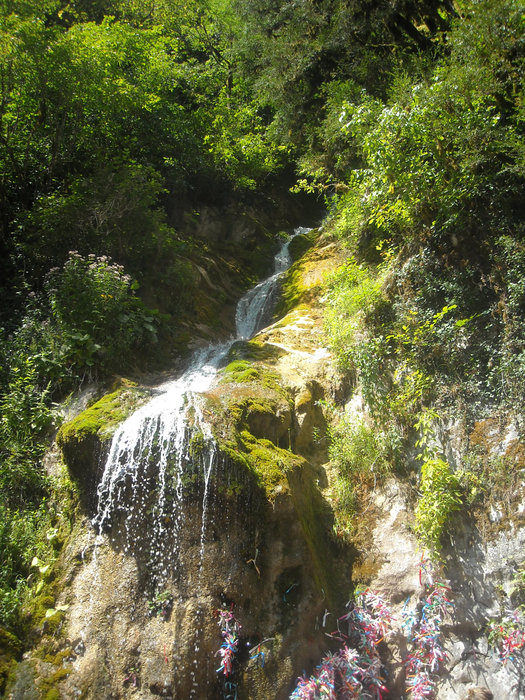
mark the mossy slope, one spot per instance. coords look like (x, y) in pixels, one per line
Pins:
(251, 415)
(257, 411)
(82, 439)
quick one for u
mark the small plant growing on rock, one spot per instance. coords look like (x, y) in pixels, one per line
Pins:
(507, 635)
(161, 605)
(440, 488)
(440, 497)
(132, 679)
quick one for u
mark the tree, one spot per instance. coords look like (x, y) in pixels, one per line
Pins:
(295, 49)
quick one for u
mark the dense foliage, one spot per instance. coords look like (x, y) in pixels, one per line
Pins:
(431, 184)
(119, 117)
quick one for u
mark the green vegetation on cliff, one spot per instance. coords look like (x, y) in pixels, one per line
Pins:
(255, 435)
(428, 311)
(103, 417)
(120, 121)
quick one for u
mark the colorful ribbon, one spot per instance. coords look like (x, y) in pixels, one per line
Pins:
(354, 671)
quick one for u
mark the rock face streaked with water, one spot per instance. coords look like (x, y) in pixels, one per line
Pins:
(184, 525)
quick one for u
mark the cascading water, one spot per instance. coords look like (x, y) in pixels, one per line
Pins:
(165, 450)
(255, 308)
(153, 458)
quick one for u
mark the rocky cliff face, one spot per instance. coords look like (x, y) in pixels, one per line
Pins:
(264, 550)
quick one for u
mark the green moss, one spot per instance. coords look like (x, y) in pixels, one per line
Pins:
(303, 279)
(61, 657)
(241, 409)
(52, 694)
(7, 673)
(48, 685)
(255, 351)
(197, 444)
(303, 399)
(38, 606)
(300, 244)
(80, 439)
(103, 417)
(271, 381)
(256, 462)
(56, 668)
(270, 463)
(21, 680)
(10, 645)
(22, 675)
(10, 651)
(240, 476)
(39, 615)
(294, 289)
(239, 371)
(244, 371)
(314, 516)
(248, 407)
(53, 624)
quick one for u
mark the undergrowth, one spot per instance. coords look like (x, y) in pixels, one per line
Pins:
(89, 320)
(427, 312)
(363, 457)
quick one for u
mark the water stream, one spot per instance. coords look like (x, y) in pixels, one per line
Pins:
(166, 447)
(255, 308)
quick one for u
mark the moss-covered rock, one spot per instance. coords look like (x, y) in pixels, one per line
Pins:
(316, 519)
(10, 651)
(240, 371)
(83, 438)
(270, 463)
(21, 683)
(103, 417)
(300, 244)
(304, 279)
(249, 397)
(254, 369)
(254, 350)
(251, 414)
(48, 684)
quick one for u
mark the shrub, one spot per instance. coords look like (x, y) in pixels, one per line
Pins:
(94, 306)
(440, 497)
(96, 322)
(361, 454)
(22, 536)
(354, 296)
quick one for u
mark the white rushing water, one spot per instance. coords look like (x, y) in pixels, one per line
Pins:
(166, 446)
(255, 308)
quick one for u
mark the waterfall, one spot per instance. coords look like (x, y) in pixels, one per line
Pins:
(255, 308)
(166, 448)
(162, 444)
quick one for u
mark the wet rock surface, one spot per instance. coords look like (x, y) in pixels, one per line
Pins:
(253, 539)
